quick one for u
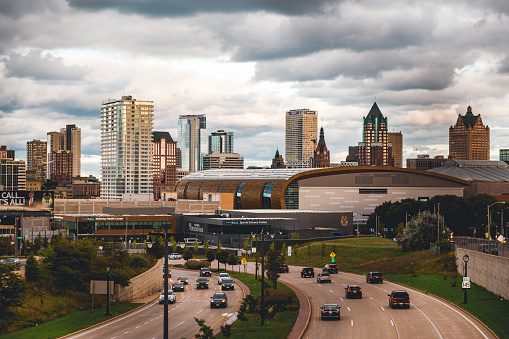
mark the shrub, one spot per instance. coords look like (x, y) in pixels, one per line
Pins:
(281, 300)
(196, 264)
(139, 260)
(120, 277)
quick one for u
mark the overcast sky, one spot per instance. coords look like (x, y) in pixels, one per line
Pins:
(245, 63)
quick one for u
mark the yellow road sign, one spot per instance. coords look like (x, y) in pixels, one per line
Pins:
(332, 254)
(243, 261)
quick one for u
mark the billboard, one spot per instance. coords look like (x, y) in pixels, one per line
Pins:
(26, 200)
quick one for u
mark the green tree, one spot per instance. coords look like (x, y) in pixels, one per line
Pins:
(247, 244)
(119, 276)
(12, 289)
(218, 246)
(274, 260)
(222, 257)
(206, 331)
(210, 257)
(232, 260)
(187, 254)
(295, 235)
(206, 246)
(156, 251)
(295, 249)
(284, 252)
(257, 258)
(420, 232)
(196, 246)
(174, 244)
(32, 269)
(226, 330)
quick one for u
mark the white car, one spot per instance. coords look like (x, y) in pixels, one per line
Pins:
(172, 298)
(174, 256)
(222, 276)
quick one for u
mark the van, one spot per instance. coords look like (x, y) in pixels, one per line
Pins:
(190, 241)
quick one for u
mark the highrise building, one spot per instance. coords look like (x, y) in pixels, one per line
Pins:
(504, 155)
(6, 153)
(37, 159)
(71, 141)
(216, 160)
(396, 140)
(164, 163)
(469, 139)
(321, 156)
(61, 167)
(374, 148)
(12, 174)
(192, 141)
(301, 128)
(126, 148)
(221, 142)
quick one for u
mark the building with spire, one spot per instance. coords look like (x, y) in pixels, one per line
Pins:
(321, 156)
(375, 150)
(278, 161)
(469, 139)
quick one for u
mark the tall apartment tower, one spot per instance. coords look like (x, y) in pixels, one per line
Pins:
(301, 128)
(321, 156)
(221, 142)
(6, 153)
(374, 148)
(54, 144)
(71, 141)
(126, 148)
(37, 159)
(164, 163)
(60, 166)
(469, 139)
(396, 140)
(12, 174)
(192, 141)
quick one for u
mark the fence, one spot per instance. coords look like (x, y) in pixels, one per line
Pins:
(487, 246)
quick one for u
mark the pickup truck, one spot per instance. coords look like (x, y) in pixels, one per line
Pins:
(172, 298)
(399, 298)
(174, 256)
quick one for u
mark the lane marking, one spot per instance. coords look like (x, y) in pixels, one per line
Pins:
(178, 325)
(352, 322)
(340, 298)
(392, 323)
(436, 329)
(331, 291)
(348, 308)
(197, 313)
(383, 309)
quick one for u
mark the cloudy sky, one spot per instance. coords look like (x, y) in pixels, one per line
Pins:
(245, 63)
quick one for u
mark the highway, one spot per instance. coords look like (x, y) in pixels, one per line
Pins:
(147, 322)
(371, 316)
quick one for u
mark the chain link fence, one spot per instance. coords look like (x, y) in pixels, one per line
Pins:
(487, 246)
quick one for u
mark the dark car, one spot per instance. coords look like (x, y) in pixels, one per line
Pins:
(399, 298)
(307, 272)
(227, 284)
(353, 291)
(202, 283)
(323, 277)
(330, 311)
(219, 299)
(205, 272)
(14, 263)
(283, 268)
(374, 277)
(183, 280)
(331, 268)
(178, 286)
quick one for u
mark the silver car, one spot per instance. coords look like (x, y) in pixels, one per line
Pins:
(323, 277)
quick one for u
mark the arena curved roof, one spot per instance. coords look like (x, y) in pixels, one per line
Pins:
(247, 174)
(475, 170)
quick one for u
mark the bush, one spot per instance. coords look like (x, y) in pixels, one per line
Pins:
(139, 260)
(196, 264)
(120, 277)
(281, 300)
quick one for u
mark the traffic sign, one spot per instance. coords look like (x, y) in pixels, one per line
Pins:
(243, 261)
(332, 255)
(465, 284)
(289, 251)
(333, 260)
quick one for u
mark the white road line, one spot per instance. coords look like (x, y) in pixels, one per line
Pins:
(436, 329)
(392, 322)
(178, 325)
(197, 313)
(348, 308)
(352, 322)
(383, 309)
(340, 298)
(370, 298)
(331, 291)
(137, 326)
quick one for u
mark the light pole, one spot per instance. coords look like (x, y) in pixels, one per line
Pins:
(165, 327)
(273, 236)
(465, 260)
(438, 223)
(262, 311)
(108, 290)
(125, 244)
(489, 217)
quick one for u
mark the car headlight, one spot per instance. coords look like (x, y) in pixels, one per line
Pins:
(223, 300)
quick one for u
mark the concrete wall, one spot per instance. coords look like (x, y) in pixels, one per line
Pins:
(143, 285)
(487, 270)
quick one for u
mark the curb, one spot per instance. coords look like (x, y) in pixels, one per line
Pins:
(304, 317)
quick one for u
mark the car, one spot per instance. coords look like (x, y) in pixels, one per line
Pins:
(374, 277)
(323, 277)
(222, 276)
(178, 286)
(330, 311)
(174, 256)
(219, 299)
(227, 284)
(169, 273)
(353, 291)
(183, 280)
(283, 268)
(307, 272)
(331, 268)
(202, 283)
(13, 262)
(205, 272)
(172, 298)
(399, 298)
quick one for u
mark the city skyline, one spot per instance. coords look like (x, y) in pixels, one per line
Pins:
(423, 63)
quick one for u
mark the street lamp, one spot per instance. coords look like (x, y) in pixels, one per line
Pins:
(108, 290)
(489, 217)
(273, 236)
(465, 260)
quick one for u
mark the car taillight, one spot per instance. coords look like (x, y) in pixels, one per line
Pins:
(360, 290)
(349, 291)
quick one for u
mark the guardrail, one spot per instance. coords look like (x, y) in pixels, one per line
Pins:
(487, 246)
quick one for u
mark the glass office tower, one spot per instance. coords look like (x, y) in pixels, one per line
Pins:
(192, 141)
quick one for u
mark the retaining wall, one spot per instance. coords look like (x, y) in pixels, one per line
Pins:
(142, 285)
(487, 270)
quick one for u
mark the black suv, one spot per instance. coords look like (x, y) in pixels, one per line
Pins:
(399, 298)
(178, 286)
(202, 283)
(331, 268)
(374, 277)
(227, 284)
(219, 299)
(307, 272)
(205, 272)
(353, 291)
(283, 268)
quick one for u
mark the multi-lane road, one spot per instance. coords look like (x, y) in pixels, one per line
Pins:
(147, 321)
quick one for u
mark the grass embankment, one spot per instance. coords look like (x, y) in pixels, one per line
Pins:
(73, 322)
(279, 326)
(487, 307)
(350, 253)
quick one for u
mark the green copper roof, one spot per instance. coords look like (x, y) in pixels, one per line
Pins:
(159, 135)
(374, 113)
(469, 118)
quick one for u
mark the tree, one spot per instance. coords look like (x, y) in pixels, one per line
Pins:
(232, 260)
(420, 232)
(12, 288)
(257, 258)
(187, 254)
(196, 246)
(32, 269)
(173, 243)
(210, 257)
(207, 330)
(226, 330)
(156, 251)
(295, 235)
(274, 260)
(247, 244)
(206, 246)
(284, 252)
(222, 257)
(295, 249)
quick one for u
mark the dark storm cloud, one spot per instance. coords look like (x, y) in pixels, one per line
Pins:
(503, 66)
(18, 9)
(36, 66)
(176, 8)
